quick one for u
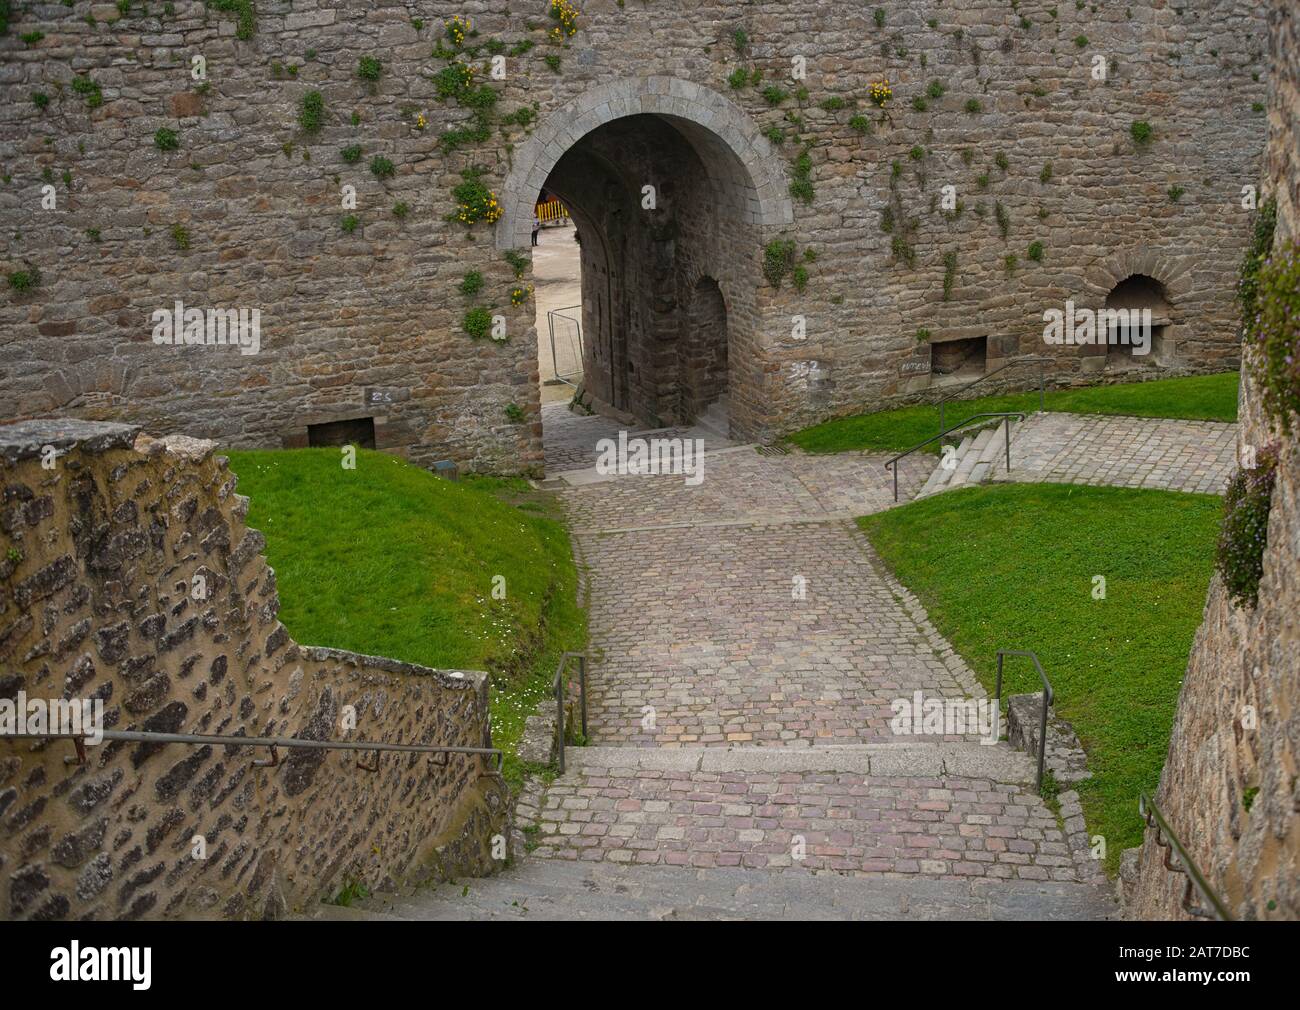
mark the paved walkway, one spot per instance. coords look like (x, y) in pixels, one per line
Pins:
(747, 614)
(746, 646)
(1146, 452)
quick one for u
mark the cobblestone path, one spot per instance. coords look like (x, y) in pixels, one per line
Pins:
(1146, 452)
(747, 615)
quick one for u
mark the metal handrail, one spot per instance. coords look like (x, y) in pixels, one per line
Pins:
(1031, 359)
(1005, 415)
(1150, 813)
(1048, 696)
(558, 686)
(290, 743)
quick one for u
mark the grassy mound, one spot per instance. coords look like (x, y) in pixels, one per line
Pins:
(1196, 398)
(1013, 567)
(389, 560)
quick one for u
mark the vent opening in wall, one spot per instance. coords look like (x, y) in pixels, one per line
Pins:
(959, 357)
(354, 431)
(1140, 336)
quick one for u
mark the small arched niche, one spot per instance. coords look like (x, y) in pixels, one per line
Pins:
(1137, 323)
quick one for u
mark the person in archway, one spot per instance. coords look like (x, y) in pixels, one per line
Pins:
(537, 226)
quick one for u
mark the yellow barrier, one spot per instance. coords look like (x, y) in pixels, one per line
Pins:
(552, 212)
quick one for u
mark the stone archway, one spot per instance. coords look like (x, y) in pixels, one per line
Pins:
(715, 192)
(718, 128)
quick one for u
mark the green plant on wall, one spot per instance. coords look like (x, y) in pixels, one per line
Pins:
(1261, 244)
(949, 273)
(89, 90)
(23, 281)
(778, 260)
(477, 322)
(245, 16)
(166, 139)
(474, 201)
(801, 186)
(517, 260)
(472, 284)
(1274, 335)
(311, 113)
(1243, 533)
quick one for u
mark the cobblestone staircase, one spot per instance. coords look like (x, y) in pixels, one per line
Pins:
(769, 783)
(892, 831)
(977, 458)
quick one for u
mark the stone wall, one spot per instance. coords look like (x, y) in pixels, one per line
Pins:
(1231, 782)
(98, 599)
(368, 323)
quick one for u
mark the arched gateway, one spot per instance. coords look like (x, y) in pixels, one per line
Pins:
(668, 183)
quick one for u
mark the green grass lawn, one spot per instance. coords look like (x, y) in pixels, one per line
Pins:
(1012, 566)
(1199, 398)
(389, 560)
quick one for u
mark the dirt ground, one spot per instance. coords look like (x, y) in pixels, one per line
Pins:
(557, 283)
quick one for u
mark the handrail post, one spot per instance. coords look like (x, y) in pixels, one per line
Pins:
(582, 683)
(895, 469)
(1042, 738)
(559, 713)
(1006, 438)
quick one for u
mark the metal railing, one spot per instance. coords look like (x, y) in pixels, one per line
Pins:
(1048, 697)
(1006, 421)
(559, 689)
(272, 742)
(1038, 360)
(571, 326)
(1150, 813)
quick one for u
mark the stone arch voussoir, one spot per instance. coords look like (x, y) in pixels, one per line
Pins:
(768, 205)
(1173, 273)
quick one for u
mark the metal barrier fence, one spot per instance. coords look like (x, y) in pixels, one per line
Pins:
(565, 326)
(552, 212)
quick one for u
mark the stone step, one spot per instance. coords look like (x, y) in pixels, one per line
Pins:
(995, 452)
(976, 460)
(970, 457)
(549, 890)
(933, 810)
(997, 762)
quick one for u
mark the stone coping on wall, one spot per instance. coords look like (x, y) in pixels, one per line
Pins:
(28, 439)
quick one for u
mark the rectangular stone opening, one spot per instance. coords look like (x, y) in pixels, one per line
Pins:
(959, 357)
(1120, 355)
(354, 431)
